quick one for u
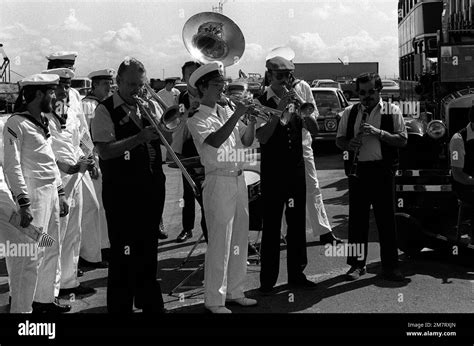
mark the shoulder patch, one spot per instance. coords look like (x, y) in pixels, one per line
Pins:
(13, 133)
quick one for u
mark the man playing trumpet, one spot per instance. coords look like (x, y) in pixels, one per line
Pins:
(281, 143)
(225, 196)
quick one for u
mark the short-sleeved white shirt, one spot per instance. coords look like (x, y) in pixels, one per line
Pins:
(456, 148)
(371, 149)
(205, 122)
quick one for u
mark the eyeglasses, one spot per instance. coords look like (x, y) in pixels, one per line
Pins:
(371, 92)
(220, 85)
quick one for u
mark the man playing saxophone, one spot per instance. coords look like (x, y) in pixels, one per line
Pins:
(373, 184)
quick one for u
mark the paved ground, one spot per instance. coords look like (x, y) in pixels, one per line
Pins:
(438, 284)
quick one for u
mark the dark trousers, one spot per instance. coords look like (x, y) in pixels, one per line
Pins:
(375, 185)
(133, 211)
(275, 195)
(189, 209)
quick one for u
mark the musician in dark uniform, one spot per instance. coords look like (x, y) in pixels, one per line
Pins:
(375, 133)
(283, 180)
(133, 192)
(184, 147)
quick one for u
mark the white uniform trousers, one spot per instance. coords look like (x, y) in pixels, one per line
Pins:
(22, 270)
(104, 231)
(316, 217)
(70, 233)
(91, 223)
(225, 201)
(45, 209)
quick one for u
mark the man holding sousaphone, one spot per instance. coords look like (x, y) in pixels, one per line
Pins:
(133, 190)
(216, 134)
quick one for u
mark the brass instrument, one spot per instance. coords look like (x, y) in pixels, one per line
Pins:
(172, 117)
(259, 110)
(211, 36)
(143, 106)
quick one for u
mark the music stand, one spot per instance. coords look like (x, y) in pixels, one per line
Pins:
(201, 266)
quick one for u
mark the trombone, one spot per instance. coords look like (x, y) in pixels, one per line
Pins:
(142, 104)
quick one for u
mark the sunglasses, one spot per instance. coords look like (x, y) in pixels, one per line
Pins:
(370, 92)
(281, 75)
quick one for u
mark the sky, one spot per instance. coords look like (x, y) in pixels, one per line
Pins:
(104, 33)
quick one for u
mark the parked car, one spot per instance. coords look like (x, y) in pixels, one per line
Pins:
(327, 83)
(390, 89)
(331, 102)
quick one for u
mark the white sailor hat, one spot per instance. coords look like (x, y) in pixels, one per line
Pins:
(207, 72)
(63, 73)
(40, 79)
(62, 56)
(107, 73)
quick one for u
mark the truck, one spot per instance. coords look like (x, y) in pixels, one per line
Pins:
(344, 73)
(436, 75)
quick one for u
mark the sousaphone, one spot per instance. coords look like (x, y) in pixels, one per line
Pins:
(211, 36)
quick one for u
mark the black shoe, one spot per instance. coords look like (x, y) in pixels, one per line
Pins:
(303, 283)
(266, 291)
(329, 238)
(50, 308)
(184, 235)
(355, 273)
(393, 275)
(80, 272)
(77, 291)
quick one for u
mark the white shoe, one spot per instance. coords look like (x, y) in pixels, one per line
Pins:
(243, 301)
(218, 309)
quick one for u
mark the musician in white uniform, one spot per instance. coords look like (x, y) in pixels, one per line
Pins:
(215, 134)
(33, 177)
(94, 222)
(65, 128)
(91, 216)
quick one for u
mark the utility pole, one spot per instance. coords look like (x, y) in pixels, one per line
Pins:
(220, 7)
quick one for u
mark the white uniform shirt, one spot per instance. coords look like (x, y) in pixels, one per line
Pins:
(3, 183)
(170, 98)
(205, 122)
(371, 149)
(27, 153)
(89, 105)
(66, 142)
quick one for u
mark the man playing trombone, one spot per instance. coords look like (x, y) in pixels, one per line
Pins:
(216, 132)
(283, 179)
(375, 140)
(133, 191)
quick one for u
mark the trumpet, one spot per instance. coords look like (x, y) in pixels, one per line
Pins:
(259, 111)
(143, 106)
